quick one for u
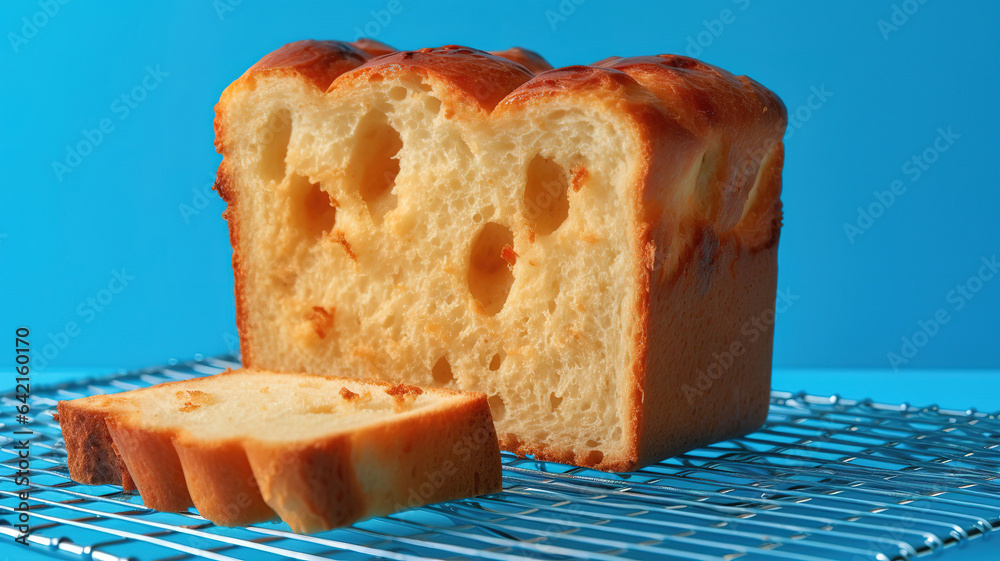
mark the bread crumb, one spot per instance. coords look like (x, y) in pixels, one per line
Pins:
(338, 237)
(196, 397)
(321, 320)
(347, 394)
(508, 255)
(401, 391)
(580, 176)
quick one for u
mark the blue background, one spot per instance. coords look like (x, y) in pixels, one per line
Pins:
(140, 203)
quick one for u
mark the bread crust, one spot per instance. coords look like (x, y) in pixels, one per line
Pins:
(220, 481)
(691, 119)
(153, 463)
(429, 455)
(92, 456)
(528, 59)
(479, 79)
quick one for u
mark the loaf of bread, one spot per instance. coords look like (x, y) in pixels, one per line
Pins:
(320, 452)
(593, 247)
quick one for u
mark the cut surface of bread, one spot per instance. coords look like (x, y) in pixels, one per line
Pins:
(319, 452)
(593, 247)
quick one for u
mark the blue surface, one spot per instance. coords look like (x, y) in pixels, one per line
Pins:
(866, 98)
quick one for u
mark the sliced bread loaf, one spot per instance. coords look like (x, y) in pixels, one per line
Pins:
(594, 247)
(319, 452)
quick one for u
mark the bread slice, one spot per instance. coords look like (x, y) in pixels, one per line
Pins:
(318, 451)
(594, 247)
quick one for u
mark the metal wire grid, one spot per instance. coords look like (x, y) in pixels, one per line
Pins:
(826, 478)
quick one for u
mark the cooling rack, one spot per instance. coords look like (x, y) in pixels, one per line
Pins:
(826, 478)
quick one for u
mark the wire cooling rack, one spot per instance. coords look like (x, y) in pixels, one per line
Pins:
(826, 478)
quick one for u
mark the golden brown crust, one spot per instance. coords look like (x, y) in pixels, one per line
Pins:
(373, 47)
(478, 78)
(224, 186)
(153, 464)
(761, 222)
(313, 487)
(92, 456)
(221, 483)
(320, 62)
(528, 59)
(739, 119)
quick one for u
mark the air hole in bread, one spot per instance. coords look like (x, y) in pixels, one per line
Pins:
(593, 443)
(321, 319)
(545, 195)
(397, 93)
(497, 361)
(555, 401)
(490, 275)
(432, 104)
(594, 457)
(497, 407)
(275, 139)
(442, 372)
(314, 212)
(375, 164)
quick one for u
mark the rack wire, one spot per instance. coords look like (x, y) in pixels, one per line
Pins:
(825, 478)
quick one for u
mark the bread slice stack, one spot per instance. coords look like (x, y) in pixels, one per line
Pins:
(593, 247)
(319, 452)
